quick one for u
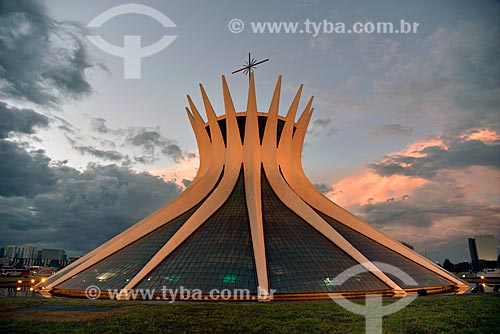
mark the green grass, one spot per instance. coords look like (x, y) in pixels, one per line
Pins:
(448, 314)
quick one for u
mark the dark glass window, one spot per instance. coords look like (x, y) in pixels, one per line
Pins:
(116, 270)
(299, 258)
(262, 127)
(241, 127)
(208, 131)
(222, 126)
(281, 125)
(61, 273)
(374, 251)
(218, 255)
(241, 120)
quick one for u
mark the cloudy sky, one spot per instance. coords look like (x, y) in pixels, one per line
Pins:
(406, 131)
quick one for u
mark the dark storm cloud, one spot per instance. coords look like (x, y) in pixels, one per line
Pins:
(456, 85)
(46, 203)
(103, 154)
(392, 130)
(146, 138)
(83, 209)
(459, 154)
(41, 60)
(23, 173)
(151, 143)
(174, 151)
(19, 120)
(453, 220)
(149, 140)
(442, 198)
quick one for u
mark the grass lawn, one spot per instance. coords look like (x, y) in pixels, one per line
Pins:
(445, 314)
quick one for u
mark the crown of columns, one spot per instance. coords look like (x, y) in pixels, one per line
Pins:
(256, 145)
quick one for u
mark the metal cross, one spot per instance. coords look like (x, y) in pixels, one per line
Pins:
(250, 65)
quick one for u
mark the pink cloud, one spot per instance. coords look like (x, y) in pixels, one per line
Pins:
(368, 187)
(415, 150)
(484, 135)
(437, 211)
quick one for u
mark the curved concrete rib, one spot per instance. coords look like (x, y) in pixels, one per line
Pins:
(294, 174)
(196, 192)
(297, 205)
(232, 166)
(252, 157)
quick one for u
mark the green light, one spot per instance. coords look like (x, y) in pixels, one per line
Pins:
(173, 277)
(229, 278)
(328, 284)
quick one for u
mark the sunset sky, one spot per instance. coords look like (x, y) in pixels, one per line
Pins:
(406, 129)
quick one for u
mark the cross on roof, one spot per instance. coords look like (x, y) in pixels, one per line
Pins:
(249, 65)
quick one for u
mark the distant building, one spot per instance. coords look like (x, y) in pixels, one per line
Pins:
(10, 252)
(31, 256)
(53, 254)
(28, 252)
(483, 252)
(473, 254)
